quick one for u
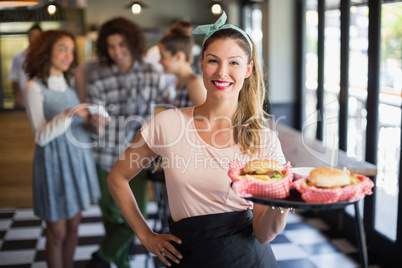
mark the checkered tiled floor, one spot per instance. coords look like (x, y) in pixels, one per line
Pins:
(307, 242)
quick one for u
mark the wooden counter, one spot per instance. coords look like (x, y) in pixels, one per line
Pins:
(302, 152)
(16, 156)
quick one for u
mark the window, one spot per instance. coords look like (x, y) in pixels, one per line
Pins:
(323, 69)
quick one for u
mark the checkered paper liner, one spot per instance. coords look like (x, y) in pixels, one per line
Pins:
(312, 194)
(276, 189)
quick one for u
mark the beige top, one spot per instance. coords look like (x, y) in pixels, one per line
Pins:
(196, 172)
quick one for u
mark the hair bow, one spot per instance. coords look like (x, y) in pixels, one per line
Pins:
(210, 29)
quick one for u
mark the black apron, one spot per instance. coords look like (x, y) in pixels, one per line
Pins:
(221, 240)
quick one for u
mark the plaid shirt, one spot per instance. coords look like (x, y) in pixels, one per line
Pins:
(130, 99)
(182, 98)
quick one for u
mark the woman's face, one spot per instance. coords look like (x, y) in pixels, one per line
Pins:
(167, 60)
(62, 55)
(225, 66)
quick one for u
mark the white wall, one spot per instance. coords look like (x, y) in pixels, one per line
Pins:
(160, 14)
(281, 51)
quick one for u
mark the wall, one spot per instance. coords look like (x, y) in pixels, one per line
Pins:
(279, 57)
(158, 15)
(280, 50)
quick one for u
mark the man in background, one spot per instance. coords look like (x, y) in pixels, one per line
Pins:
(128, 88)
(17, 74)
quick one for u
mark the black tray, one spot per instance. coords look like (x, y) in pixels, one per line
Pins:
(294, 200)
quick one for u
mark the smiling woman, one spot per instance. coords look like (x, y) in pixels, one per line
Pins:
(211, 225)
(62, 55)
(64, 175)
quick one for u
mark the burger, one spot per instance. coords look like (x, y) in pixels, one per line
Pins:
(328, 177)
(263, 169)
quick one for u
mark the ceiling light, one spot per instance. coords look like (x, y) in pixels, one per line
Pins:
(216, 7)
(51, 9)
(136, 7)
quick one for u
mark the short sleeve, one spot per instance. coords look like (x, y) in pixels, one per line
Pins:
(164, 131)
(271, 146)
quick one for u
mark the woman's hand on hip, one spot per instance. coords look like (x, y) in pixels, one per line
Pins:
(159, 244)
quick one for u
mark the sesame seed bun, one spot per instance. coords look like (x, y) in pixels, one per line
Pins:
(329, 177)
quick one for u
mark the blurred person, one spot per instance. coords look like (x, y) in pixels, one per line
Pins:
(176, 50)
(64, 173)
(17, 74)
(153, 56)
(129, 89)
(210, 226)
(82, 74)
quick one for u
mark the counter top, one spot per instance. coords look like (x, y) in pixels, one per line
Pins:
(303, 152)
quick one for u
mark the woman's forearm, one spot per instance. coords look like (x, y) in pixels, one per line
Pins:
(267, 222)
(121, 192)
(118, 183)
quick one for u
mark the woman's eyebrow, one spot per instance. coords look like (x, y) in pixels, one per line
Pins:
(231, 57)
(62, 44)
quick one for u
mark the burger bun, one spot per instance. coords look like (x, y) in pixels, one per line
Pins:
(262, 164)
(328, 177)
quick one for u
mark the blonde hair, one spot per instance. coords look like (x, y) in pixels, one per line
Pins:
(250, 117)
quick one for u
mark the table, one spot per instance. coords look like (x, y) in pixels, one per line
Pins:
(302, 152)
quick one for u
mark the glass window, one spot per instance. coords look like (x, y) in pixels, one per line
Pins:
(390, 99)
(331, 72)
(310, 124)
(389, 146)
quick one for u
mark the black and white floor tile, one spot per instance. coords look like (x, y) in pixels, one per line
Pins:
(307, 242)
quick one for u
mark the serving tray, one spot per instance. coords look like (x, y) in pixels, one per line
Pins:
(294, 200)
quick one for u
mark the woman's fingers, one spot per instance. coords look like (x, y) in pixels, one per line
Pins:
(168, 250)
(162, 258)
(172, 249)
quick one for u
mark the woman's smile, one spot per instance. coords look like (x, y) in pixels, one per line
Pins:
(221, 85)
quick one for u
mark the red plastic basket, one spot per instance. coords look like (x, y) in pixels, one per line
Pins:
(312, 194)
(276, 189)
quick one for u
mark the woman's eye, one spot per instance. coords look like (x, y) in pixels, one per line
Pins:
(212, 60)
(63, 49)
(234, 63)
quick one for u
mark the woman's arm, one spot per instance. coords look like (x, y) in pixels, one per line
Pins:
(130, 163)
(267, 222)
(46, 131)
(197, 91)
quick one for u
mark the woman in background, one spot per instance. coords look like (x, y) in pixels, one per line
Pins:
(64, 175)
(176, 50)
